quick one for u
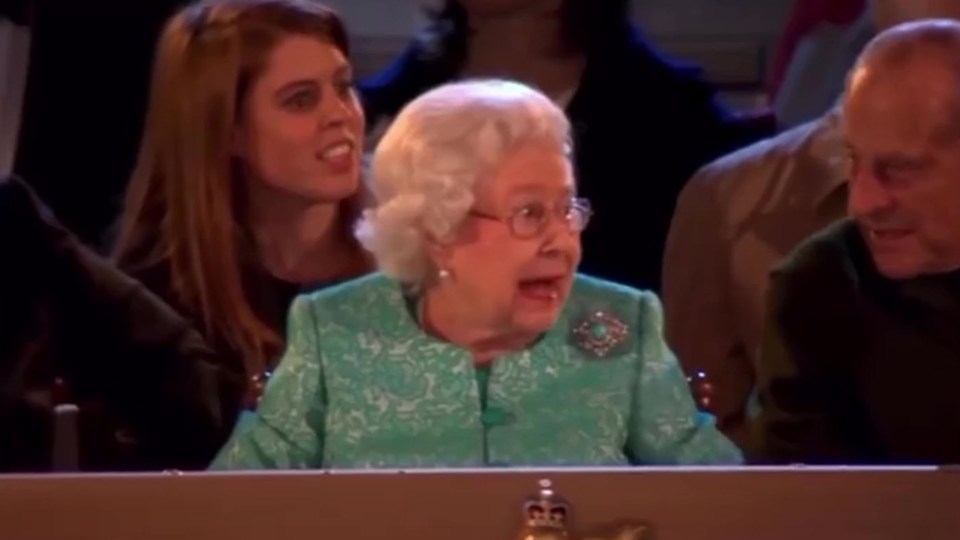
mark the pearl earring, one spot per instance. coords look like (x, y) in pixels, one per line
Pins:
(443, 273)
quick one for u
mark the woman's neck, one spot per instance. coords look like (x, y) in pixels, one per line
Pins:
(455, 323)
(304, 243)
(526, 47)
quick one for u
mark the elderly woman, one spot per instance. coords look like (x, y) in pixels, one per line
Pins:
(478, 344)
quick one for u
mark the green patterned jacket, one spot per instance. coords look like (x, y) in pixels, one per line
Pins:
(361, 386)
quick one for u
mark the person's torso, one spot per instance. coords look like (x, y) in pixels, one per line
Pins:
(909, 366)
(395, 397)
(893, 397)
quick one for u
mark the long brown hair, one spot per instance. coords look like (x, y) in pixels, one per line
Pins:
(183, 207)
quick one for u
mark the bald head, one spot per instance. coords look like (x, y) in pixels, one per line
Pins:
(889, 13)
(913, 69)
(903, 41)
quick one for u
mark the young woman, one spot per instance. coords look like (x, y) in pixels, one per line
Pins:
(248, 177)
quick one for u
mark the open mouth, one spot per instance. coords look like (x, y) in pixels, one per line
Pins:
(338, 152)
(545, 289)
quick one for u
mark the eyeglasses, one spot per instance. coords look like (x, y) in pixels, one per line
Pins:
(532, 219)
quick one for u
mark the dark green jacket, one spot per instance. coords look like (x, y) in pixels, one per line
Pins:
(856, 368)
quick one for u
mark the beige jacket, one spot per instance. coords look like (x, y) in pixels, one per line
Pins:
(734, 220)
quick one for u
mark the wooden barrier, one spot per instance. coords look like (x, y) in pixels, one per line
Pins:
(676, 504)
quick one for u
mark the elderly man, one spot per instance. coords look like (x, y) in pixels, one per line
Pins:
(861, 354)
(737, 218)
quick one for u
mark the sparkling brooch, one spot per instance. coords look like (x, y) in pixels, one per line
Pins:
(599, 333)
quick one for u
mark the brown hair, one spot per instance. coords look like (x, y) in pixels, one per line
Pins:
(183, 208)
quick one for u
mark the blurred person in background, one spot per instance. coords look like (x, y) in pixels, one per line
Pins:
(642, 123)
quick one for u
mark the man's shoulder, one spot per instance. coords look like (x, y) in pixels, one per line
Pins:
(830, 256)
(762, 161)
(815, 302)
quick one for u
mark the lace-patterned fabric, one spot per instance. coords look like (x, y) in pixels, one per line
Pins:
(361, 386)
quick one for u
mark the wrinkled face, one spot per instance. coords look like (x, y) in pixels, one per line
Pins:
(495, 8)
(887, 13)
(905, 172)
(518, 282)
(301, 127)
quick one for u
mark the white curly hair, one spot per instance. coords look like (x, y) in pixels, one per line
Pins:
(429, 162)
